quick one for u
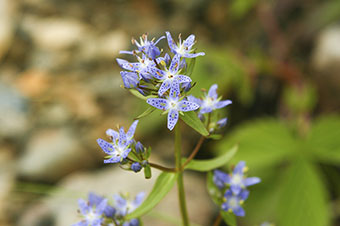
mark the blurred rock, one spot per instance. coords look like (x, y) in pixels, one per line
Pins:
(54, 33)
(33, 83)
(51, 154)
(327, 51)
(7, 9)
(13, 112)
(113, 180)
(326, 61)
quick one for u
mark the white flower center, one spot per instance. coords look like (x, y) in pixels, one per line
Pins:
(233, 202)
(173, 104)
(90, 216)
(236, 179)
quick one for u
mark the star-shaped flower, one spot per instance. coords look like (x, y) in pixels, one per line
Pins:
(119, 149)
(183, 49)
(233, 202)
(147, 47)
(173, 106)
(142, 67)
(237, 180)
(92, 211)
(125, 206)
(170, 77)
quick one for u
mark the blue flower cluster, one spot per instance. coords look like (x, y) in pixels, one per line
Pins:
(234, 188)
(96, 211)
(161, 78)
(121, 145)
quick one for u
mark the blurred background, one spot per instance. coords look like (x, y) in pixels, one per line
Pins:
(60, 89)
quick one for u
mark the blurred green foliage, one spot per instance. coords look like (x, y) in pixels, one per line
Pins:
(292, 187)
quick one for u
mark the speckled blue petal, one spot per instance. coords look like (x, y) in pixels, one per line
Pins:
(101, 206)
(172, 118)
(183, 78)
(171, 43)
(174, 65)
(212, 92)
(164, 87)
(131, 130)
(162, 37)
(122, 137)
(112, 133)
(174, 90)
(130, 79)
(114, 159)
(187, 106)
(105, 146)
(189, 42)
(157, 73)
(193, 55)
(158, 103)
(126, 52)
(83, 206)
(127, 65)
(126, 153)
(191, 98)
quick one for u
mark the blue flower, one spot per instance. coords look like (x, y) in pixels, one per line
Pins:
(93, 211)
(147, 47)
(136, 167)
(183, 49)
(119, 149)
(172, 105)
(211, 101)
(133, 222)
(125, 206)
(170, 77)
(130, 79)
(222, 122)
(139, 147)
(232, 202)
(237, 180)
(142, 67)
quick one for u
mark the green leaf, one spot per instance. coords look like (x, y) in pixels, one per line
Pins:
(229, 218)
(192, 120)
(148, 111)
(323, 139)
(215, 136)
(190, 67)
(137, 94)
(163, 185)
(303, 198)
(210, 164)
(262, 143)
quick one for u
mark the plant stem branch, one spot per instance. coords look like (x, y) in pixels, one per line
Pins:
(218, 220)
(163, 168)
(180, 184)
(194, 152)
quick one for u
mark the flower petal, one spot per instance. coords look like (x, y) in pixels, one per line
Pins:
(239, 167)
(183, 78)
(171, 42)
(189, 42)
(222, 104)
(130, 79)
(174, 65)
(187, 106)
(193, 55)
(131, 130)
(158, 103)
(251, 181)
(113, 134)
(164, 87)
(107, 147)
(239, 211)
(172, 118)
(212, 92)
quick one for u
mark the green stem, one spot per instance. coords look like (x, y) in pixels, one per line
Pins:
(180, 185)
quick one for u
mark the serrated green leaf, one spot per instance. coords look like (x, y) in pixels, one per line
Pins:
(323, 140)
(262, 143)
(148, 111)
(228, 218)
(303, 198)
(192, 120)
(210, 164)
(163, 185)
